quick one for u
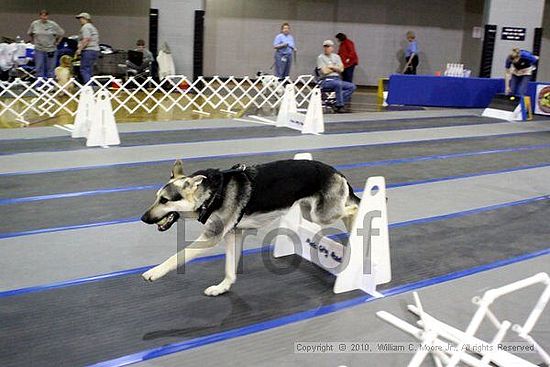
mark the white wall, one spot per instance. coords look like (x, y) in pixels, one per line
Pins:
(518, 13)
(544, 61)
(176, 26)
(239, 33)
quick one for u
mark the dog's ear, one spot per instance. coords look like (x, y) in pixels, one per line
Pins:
(177, 170)
(193, 182)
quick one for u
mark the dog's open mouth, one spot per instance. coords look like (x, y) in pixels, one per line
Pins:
(167, 221)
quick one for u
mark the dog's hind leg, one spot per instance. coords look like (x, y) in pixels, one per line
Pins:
(350, 213)
(233, 248)
(351, 209)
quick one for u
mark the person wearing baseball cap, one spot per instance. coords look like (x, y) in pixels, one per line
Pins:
(330, 66)
(88, 46)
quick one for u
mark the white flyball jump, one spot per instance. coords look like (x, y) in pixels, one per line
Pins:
(450, 346)
(312, 122)
(95, 120)
(364, 262)
(84, 112)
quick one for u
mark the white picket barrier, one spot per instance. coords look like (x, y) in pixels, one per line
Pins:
(84, 113)
(103, 130)
(287, 107)
(47, 98)
(449, 346)
(312, 122)
(364, 262)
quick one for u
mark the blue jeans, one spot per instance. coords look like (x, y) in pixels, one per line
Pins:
(518, 84)
(282, 65)
(44, 63)
(343, 89)
(87, 60)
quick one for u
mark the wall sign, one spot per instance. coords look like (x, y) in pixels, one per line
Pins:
(477, 32)
(513, 34)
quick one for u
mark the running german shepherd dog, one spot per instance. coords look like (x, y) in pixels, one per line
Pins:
(247, 198)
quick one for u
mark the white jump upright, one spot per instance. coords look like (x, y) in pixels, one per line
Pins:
(288, 106)
(361, 264)
(450, 346)
(312, 122)
(84, 113)
(103, 130)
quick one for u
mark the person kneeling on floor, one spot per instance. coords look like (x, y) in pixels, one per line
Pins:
(330, 67)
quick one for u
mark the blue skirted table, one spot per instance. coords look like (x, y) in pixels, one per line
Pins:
(442, 91)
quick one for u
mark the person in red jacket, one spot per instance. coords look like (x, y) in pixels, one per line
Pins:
(348, 55)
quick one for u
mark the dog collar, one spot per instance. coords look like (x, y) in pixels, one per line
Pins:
(215, 201)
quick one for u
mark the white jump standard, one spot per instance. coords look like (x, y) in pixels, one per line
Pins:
(95, 119)
(312, 122)
(365, 261)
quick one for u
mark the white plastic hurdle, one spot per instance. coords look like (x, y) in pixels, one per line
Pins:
(450, 346)
(84, 112)
(103, 130)
(364, 262)
(95, 119)
(312, 122)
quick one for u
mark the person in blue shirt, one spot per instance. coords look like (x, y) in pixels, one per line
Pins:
(284, 48)
(411, 54)
(519, 68)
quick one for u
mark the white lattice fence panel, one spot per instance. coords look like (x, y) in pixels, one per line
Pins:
(46, 97)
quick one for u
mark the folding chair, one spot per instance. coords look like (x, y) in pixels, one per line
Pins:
(328, 96)
(136, 67)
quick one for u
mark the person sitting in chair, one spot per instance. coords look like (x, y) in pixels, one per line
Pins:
(134, 64)
(330, 67)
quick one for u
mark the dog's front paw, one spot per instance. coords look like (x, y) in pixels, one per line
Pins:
(218, 289)
(153, 274)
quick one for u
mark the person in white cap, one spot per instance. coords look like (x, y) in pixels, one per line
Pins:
(88, 46)
(45, 36)
(330, 66)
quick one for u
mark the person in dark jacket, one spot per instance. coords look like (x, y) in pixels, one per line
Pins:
(347, 53)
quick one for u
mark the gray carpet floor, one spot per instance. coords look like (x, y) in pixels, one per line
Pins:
(198, 135)
(33, 215)
(83, 324)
